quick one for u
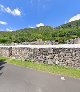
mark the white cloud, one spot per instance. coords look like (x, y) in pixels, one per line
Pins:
(10, 30)
(40, 24)
(31, 27)
(77, 17)
(15, 12)
(65, 22)
(3, 23)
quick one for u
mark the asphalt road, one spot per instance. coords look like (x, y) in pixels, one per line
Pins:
(19, 79)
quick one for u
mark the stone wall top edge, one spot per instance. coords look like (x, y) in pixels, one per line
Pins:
(45, 46)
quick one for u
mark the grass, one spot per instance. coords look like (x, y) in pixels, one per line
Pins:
(53, 69)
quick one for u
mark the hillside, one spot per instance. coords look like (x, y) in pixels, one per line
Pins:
(73, 24)
(60, 34)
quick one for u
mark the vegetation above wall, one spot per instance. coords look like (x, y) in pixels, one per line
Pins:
(60, 34)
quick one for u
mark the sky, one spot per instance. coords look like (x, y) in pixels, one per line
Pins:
(19, 14)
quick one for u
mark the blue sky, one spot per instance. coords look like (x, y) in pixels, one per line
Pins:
(18, 14)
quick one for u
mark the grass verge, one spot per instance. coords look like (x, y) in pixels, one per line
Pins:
(53, 69)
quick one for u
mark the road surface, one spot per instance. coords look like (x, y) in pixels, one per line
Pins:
(19, 79)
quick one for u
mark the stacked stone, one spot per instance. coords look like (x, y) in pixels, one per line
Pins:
(4, 52)
(69, 57)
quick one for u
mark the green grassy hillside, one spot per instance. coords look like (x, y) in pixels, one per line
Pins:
(59, 34)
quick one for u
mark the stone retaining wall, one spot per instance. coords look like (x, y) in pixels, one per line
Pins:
(59, 56)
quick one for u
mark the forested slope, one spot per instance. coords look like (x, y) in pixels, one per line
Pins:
(59, 34)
